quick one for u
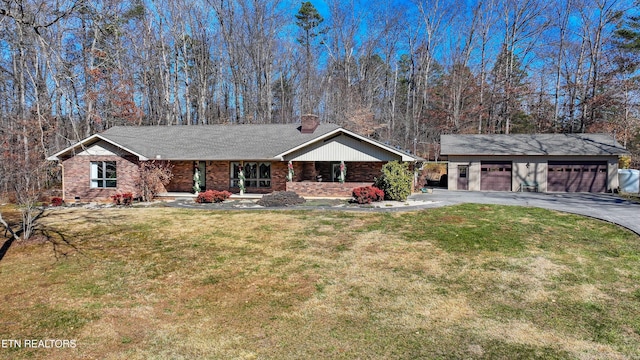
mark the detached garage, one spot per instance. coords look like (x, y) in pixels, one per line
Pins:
(532, 162)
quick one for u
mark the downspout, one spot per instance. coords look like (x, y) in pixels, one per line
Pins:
(62, 167)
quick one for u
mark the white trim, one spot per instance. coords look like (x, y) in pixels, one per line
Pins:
(404, 156)
(56, 156)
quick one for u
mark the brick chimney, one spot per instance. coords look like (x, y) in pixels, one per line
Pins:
(309, 123)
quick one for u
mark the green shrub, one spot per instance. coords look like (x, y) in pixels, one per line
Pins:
(395, 181)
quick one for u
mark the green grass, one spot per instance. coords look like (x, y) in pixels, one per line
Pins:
(468, 281)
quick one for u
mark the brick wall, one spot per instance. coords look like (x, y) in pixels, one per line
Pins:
(356, 171)
(77, 177)
(182, 180)
(324, 189)
(218, 177)
(308, 170)
(363, 171)
(279, 173)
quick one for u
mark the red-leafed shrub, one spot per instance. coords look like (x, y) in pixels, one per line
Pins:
(367, 194)
(122, 199)
(212, 196)
(56, 201)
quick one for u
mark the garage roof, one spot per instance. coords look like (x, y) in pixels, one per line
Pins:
(531, 144)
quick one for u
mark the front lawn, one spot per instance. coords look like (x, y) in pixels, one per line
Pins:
(468, 281)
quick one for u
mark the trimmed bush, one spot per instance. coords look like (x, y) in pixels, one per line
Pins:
(56, 201)
(212, 196)
(367, 194)
(281, 198)
(395, 181)
(154, 176)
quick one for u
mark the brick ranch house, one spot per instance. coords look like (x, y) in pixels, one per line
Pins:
(108, 163)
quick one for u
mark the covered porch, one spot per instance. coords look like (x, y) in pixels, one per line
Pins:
(316, 165)
(322, 178)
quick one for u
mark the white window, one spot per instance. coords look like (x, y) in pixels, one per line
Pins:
(103, 174)
(256, 174)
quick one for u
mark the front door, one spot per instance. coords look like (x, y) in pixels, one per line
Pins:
(463, 177)
(335, 172)
(201, 169)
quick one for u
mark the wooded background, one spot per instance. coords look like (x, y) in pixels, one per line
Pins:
(402, 72)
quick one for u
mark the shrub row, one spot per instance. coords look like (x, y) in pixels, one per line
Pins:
(367, 194)
(212, 196)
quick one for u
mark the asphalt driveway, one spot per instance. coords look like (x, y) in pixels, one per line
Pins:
(606, 207)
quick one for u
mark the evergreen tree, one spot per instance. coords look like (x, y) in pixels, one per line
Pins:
(508, 84)
(628, 34)
(309, 21)
(627, 61)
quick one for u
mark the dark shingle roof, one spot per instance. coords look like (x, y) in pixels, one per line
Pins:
(213, 142)
(531, 144)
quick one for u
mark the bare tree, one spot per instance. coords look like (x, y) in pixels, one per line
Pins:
(487, 16)
(400, 72)
(434, 14)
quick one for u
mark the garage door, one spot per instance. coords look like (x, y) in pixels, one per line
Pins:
(577, 176)
(495, 176)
